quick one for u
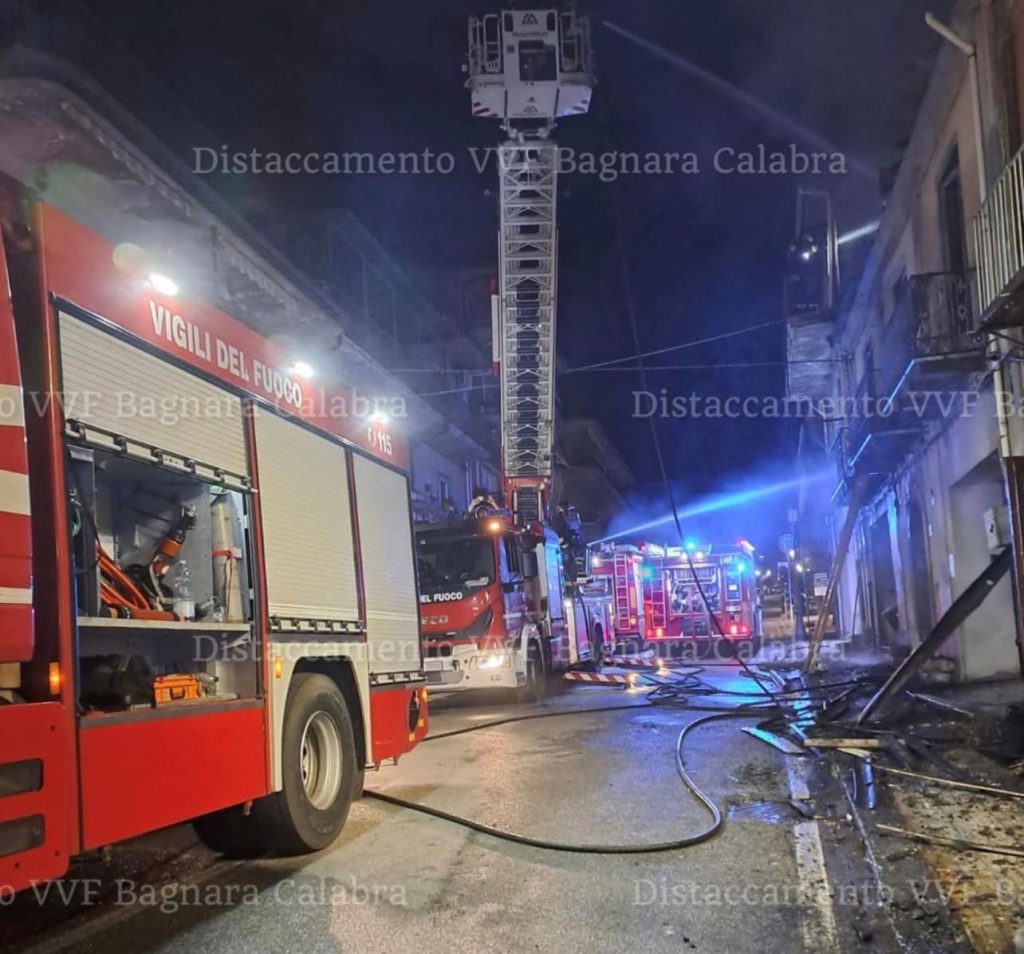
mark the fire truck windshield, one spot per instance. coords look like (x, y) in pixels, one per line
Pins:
(448, 561)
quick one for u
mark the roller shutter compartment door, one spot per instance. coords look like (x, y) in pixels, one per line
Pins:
(307, 526)
(117, 395)
(389, 579)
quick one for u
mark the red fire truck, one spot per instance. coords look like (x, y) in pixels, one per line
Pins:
(496, 609)
(677, 611)
(616, 572)
(208, 602)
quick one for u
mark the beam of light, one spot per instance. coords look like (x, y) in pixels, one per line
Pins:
(722, 502)
(862, 232)
(739, 96)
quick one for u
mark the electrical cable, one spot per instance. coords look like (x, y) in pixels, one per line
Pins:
(640, 355)
(688, 841)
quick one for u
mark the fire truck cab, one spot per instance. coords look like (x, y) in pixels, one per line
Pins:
(495, 609)
(676, 610)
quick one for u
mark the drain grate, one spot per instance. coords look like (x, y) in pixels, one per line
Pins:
(771, 812)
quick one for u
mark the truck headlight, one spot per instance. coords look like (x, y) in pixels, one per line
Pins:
(493, 661)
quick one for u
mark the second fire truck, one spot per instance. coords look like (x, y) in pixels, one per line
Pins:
(655, 601)
(496, 608)
(700, 593)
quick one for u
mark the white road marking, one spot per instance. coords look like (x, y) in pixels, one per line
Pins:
(818, 926)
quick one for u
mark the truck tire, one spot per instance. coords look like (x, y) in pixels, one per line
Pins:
(320, 770)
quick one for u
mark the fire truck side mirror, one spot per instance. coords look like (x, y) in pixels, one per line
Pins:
(508, 587)
(530, 568)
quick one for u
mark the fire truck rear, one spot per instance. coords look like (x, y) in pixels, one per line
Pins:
(698, 593)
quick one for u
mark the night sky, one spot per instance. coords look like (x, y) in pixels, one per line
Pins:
(705, 253)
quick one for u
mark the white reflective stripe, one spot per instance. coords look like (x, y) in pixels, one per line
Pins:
(818, 924)
(12, 408)
(14, 493)
(12, 594)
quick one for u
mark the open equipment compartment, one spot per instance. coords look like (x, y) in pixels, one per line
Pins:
(160, 539)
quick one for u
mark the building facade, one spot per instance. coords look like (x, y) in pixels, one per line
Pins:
(589, 473)
(437, 353)
(915, 375)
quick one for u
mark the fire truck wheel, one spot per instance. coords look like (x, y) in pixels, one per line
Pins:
(534, 689)
(320, 769)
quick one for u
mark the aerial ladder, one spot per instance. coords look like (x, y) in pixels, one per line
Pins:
(528, 68)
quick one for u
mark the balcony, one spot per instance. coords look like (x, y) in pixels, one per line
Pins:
(999, 239)
(925, 354)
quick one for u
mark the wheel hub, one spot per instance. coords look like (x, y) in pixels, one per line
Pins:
(320, 760)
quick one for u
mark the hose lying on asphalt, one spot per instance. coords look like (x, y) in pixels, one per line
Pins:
(686, 842)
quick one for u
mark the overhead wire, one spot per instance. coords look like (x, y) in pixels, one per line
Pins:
(640, 355)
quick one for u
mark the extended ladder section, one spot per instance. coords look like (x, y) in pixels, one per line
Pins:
(528, 267)
(528, 68)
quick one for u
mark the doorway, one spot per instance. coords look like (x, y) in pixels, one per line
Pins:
(883, 575)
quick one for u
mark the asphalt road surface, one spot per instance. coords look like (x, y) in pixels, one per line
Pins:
(401, 881)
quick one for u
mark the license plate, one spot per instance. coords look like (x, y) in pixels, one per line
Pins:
(433, 665)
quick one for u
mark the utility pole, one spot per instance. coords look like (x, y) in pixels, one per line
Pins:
(796, 582)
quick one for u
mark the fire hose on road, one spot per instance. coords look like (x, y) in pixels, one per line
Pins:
(668, 692)
(685, 842)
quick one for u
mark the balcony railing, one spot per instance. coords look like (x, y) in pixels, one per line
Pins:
(933, 330)
(999, 239)
(929, 343)
(944, 315)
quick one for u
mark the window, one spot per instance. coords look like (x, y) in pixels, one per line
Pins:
(446, 562)
(513, 557)
(537, 61)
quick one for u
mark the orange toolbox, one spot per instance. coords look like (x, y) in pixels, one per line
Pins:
(176, 687)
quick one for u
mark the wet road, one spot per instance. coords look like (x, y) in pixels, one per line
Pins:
(398, 880)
